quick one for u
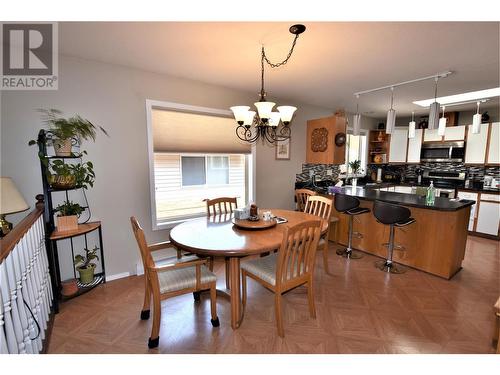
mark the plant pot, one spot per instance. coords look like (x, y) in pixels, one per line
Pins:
(62, 182)
(62, 147)
(86, 274)
(67, 223)
(354, 183)
(69, 288)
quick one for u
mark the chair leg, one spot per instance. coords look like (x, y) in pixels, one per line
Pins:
(147, 299)
(213, 306)
(154, 340)
(325, 256)
(211, 263)
(310, 297)
(226, 261)
(243, 289)
(179, 254)
(279, 318)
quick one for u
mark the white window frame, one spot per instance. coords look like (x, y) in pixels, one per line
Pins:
(158, 104)
(365, 133)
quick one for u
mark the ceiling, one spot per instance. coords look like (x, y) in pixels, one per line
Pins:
(332, 60)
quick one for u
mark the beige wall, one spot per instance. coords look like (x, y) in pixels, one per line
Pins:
(114, 97)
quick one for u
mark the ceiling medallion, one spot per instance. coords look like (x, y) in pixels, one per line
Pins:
(266, 124)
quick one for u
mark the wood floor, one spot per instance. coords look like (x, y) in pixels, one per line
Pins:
(359, 310)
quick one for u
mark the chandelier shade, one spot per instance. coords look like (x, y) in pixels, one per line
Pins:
(249, 116)
(240, 113)
(434, 115)
(411, 129)
(356, 124)
(264, 109)
(274, 119)
(442, 124)
(391, 121)
(286, 112)
(476, 121)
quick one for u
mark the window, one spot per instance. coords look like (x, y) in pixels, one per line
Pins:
(356, 149)
(194, 155)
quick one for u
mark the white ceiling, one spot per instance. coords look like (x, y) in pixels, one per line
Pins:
(332, 60)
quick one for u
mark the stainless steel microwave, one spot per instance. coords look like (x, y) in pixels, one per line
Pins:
(443, 151)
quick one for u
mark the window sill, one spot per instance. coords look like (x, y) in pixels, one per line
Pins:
(166, 225)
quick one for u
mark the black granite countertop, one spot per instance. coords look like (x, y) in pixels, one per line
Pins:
(411, 200)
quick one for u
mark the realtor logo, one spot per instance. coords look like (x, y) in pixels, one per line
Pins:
(29, 59)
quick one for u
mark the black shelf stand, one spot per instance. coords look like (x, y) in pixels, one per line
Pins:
(50, 227)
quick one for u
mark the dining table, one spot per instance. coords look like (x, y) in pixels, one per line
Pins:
(217, 236)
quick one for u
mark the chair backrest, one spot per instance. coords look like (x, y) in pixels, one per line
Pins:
(296, 256)
(388, 213)
(223, 205)
(345, 202)
(319, 206)
(147, 260)
(301, 196)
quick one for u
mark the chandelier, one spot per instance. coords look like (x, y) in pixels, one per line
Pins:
(266, 124)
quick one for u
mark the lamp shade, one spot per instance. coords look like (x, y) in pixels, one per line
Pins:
(411, 129)
(442, 126)
(286, 112)
(391, 121)
(356, 124)
(240, 113)
(476, 123)
(264, 109)
(434, 115)
(11, 200)
(274, 120)
(249, 116)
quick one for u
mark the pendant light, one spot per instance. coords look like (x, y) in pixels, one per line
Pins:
(434, 109)
(356, 123)
(411, 126)
(442, 124)
(476, 121)
(391, 116)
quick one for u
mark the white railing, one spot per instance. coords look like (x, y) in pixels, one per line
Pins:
(25, 290)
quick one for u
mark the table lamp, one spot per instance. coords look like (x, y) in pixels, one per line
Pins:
(11, 201)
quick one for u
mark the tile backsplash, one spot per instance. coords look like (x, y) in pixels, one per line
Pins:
(320, 171)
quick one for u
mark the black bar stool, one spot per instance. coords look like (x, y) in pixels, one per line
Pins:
(349, 205)
(396, 216)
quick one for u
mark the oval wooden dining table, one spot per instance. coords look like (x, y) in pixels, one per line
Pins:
(216, 235)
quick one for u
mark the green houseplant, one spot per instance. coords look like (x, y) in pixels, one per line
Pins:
(355, 166)
(65, 132)
(63, 175)
(84, 266)
(67, 216)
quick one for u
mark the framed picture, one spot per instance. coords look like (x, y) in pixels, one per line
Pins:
(283, 150)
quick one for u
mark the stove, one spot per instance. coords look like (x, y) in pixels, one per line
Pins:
(445, 182)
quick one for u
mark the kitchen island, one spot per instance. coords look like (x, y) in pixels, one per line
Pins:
(435, 243)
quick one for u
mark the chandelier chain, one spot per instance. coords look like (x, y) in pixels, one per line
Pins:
(275, 65)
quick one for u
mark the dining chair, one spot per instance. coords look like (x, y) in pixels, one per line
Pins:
(322, 207)
(301, 196)
(221, 206)
(290, 267)
(171, 278)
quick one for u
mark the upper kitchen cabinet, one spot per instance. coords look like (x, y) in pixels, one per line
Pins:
(431, 135)
(415, 146)
(326, 139)
(454, 133)
(398, 146)
(475, 147)
(494, 147)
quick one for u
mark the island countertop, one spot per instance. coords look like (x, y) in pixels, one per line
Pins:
(411, 200)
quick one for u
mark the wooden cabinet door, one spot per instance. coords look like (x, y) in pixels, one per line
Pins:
(321, 147)
(415, 147)
(432, 135)
(398, 145)
(475, 147)
(494, 144)
(454, 133)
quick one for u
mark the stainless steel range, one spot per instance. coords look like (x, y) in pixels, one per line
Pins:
(446, 182)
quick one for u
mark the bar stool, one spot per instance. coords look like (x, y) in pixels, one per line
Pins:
(349, 205)
(396, 216)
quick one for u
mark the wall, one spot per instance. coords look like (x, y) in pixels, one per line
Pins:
(114, 97)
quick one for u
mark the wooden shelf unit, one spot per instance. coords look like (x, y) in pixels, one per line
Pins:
(378, 144)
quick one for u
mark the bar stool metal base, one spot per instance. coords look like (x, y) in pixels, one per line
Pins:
(390, 267)
(350, 254)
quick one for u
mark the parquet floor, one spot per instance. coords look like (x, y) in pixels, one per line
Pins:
(359, 310)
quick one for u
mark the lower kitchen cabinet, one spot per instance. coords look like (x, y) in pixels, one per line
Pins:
(472, 197)
(485, 214)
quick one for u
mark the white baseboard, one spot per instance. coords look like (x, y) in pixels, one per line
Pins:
(117, 276)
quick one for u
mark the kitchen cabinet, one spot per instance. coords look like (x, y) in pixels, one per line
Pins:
(415, 146)
(494, 144)
(454, 133)
(475, 147)
(431, 135)
(472, 197)
(321, 147)
(398, 146)
(488, 217)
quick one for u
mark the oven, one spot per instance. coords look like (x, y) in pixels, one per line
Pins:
(443, 152)
(445, 182)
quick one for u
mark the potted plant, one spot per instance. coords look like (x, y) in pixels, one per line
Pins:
(86, 269)
(66, 132)
(67, 217)
(355, 169)
(63, 175)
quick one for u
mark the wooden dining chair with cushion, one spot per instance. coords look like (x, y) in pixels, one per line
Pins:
(301, 196)
(171, 278)
(221, 206)
(290, 267)
(322, 207)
